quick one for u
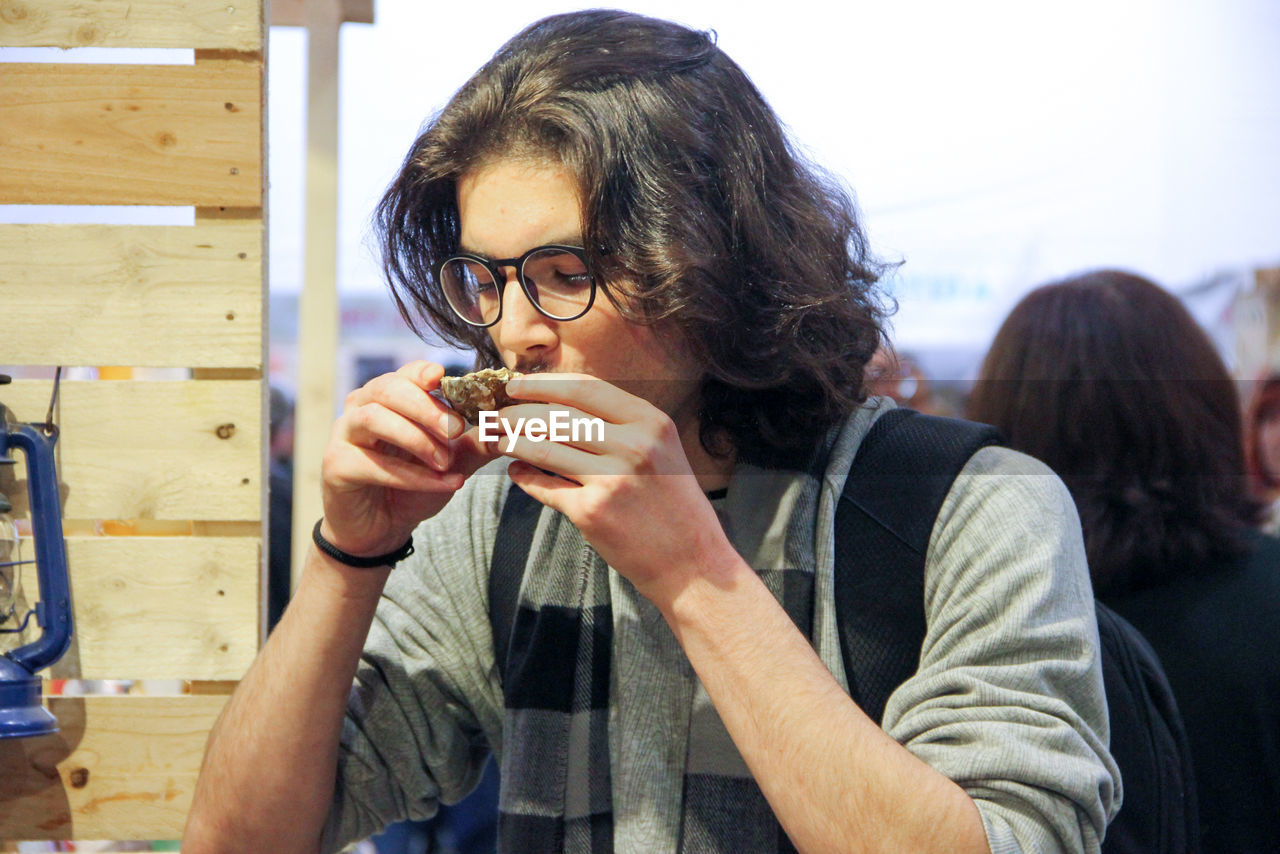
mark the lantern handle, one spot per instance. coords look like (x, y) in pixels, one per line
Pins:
(53, 611)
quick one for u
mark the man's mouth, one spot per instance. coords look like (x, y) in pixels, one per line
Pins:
(531, 366)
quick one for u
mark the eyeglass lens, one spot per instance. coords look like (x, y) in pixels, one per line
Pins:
(556, 281)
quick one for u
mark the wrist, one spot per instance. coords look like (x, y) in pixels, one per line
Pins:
(690, 590)
(346, 582)
(361, 542)
(365, 559)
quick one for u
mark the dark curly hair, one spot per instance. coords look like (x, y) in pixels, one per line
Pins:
(1108, 379)
(698, 212)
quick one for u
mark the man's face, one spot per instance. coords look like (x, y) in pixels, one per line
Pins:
(510, 206)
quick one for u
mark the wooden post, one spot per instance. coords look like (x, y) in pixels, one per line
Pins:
(318, 315)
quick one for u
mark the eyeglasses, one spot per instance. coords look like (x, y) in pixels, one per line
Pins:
(554, 278)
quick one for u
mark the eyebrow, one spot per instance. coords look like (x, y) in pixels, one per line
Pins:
(575, 242)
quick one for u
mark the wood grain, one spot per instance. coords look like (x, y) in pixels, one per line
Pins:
(209, 24)
(132, 134)
(120, 768)
(157, 296)
(151, 450)
(156, 608)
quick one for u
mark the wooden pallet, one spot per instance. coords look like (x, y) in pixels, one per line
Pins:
(163, 482)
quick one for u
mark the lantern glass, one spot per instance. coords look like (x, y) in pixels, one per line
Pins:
(8, 560)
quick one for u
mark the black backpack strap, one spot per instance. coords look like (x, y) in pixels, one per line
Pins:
(899, 478)
(506, 568)
(1149, 743)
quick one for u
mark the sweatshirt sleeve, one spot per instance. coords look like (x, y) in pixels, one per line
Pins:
(425, 705)
(1008, 700)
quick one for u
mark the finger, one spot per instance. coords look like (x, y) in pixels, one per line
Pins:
(567, 425)
(587, 393)
(561, 459)
(373, 424)
(555, 492)
(404, 392)
(426, 375)
(386, 466)
(469, 453)
(648, 446)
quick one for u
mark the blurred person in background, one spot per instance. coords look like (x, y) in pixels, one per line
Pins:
(1109, 380)
(898, 376)
(901, 376)
(1262, 448)
(280, 509)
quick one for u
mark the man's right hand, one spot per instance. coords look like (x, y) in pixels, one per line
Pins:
(395, 457)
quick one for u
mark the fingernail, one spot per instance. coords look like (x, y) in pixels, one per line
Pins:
(450, 424)
(441, 458)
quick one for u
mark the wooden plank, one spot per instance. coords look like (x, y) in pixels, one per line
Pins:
(132, 134)
(157, 296)
(210, 24)
(163, 607)
(292, 13)
(151, 450)
(156, 608)
(119, 768)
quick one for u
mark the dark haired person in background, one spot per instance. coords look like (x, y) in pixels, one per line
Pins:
(1262, 448)
(610, 204)
(1108, 379)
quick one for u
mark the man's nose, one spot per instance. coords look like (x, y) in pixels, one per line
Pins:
(522, 328)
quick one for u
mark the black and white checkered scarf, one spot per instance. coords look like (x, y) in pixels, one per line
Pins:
(612, 743)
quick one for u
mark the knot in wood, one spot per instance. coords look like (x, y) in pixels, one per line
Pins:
(78, 778)
(226, 431)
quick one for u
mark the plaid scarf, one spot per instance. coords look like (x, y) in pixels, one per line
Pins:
(611, 741)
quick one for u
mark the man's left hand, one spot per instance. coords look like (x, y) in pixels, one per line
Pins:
(625, 482)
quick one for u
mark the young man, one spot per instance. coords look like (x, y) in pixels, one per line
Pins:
(610, 206)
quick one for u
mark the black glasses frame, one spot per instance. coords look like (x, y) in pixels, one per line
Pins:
(495, 265)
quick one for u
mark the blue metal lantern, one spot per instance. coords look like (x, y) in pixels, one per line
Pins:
(21, 710)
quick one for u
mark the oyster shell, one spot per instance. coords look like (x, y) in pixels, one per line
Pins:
(483, 389)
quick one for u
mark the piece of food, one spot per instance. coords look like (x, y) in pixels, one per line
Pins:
(484, 389)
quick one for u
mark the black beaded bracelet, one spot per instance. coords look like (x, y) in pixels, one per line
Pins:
(388, 559)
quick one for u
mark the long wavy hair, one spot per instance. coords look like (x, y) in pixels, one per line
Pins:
(699, 215)
(1108, 379)
(1264, 405)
